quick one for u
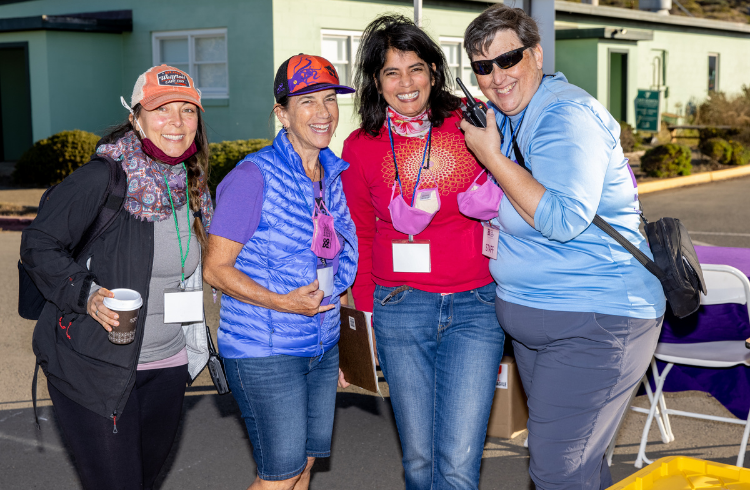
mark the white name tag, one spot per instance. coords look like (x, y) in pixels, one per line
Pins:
(183, 306)
(411, 256)
(325, 281)
(489, 240)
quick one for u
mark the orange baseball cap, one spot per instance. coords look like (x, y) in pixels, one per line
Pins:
(163, 84)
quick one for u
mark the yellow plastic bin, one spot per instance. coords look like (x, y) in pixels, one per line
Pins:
(683, 473)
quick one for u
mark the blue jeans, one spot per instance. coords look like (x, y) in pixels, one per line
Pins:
(288, 404)
(440, 356)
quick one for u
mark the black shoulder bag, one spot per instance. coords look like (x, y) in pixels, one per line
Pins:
(216, 367)
(675, 262)
(30, 299)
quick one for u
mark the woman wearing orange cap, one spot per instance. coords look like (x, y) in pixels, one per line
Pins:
(282, 250)
(118, 396)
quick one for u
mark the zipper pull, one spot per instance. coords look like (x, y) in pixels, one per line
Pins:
(114, 418)
(213, 293)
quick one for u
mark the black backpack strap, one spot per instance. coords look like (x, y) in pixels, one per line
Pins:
(33, 395)
(607, 228)
(639, 256)
(109, 208)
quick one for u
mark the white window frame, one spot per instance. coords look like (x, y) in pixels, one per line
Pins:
(350, 35)
(464, 64)
(717, 80)
(156, 37)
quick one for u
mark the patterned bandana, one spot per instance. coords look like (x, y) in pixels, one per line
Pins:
(417, 126)
(147, 198)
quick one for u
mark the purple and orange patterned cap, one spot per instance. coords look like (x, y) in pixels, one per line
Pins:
(305, 74)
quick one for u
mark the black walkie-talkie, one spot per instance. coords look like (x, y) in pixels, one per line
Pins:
(476, 112)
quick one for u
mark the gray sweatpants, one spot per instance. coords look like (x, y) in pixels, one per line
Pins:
(578, 371)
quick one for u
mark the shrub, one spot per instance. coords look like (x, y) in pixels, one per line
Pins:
(628, 139)
(722, 110)
(706, 134)
(668, 160)
(52, 159)
(227, 154)
(717, 149)
(740, 154)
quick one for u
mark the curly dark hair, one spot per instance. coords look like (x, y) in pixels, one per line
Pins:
(393, 31)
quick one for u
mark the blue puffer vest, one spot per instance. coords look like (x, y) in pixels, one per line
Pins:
(278, 257)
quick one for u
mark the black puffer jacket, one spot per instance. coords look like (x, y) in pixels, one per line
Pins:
(71, 347)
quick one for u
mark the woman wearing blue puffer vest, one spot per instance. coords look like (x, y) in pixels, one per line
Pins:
(282, 249)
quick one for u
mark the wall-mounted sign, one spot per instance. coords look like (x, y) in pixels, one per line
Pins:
(647, 115)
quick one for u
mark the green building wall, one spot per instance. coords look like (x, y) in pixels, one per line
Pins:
(77, 78)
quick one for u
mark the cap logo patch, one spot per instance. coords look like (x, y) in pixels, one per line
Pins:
(310, 71)
(173, 78)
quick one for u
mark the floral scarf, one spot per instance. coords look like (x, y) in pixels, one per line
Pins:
(147, 198)
(417, 126)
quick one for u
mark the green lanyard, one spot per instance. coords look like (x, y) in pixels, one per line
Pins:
(183, 258)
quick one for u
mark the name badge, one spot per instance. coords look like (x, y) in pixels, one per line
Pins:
(411, 256)
(325, 280)
(183, 306)
(490, 236)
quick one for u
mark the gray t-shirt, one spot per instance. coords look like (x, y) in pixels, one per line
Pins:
(162, 340)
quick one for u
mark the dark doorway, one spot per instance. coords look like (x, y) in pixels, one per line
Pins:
(618, 85)
(15, 101)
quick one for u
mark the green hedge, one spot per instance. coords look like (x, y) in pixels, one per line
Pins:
(717, 149)
(669, 160)
(226, 155)
(52, 159)
(740, 154)
(725, 152)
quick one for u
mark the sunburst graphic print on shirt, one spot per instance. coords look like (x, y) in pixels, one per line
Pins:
(451, 166)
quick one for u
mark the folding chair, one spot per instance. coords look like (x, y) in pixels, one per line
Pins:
(725, 284)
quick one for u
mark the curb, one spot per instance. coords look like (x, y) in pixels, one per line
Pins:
(702, 178)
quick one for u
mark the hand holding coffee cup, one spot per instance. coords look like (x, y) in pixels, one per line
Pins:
(126, 304)
(103, 315)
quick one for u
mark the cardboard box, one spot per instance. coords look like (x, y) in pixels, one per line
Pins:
(509, 411)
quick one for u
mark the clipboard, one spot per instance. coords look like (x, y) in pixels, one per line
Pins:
(356, 349)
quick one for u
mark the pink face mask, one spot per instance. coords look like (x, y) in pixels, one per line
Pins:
(480, 201)
(408, 219)
(325, 244)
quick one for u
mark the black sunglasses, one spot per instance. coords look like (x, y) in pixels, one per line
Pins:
(504, 61)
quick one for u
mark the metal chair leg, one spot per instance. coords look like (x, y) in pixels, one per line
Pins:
(665, 434)
(659, 379)
(743, 446)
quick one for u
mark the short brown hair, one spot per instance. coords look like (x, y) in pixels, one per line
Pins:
(482, 30)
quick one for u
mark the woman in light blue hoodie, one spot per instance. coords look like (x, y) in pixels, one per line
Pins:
(584, 314)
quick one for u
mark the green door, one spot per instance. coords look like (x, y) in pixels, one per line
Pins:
(618, 85)
(15, 101)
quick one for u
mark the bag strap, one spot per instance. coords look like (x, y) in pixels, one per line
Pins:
(211, 348)
(112, 202)
(33, 395)
(649, 264)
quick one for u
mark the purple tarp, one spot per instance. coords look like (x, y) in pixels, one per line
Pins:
(731, 386)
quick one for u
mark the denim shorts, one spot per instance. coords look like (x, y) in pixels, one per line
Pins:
(288, 404)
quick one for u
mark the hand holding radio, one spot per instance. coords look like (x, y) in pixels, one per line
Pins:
(476, 112)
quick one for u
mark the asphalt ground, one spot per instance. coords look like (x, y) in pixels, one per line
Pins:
(212, 449)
